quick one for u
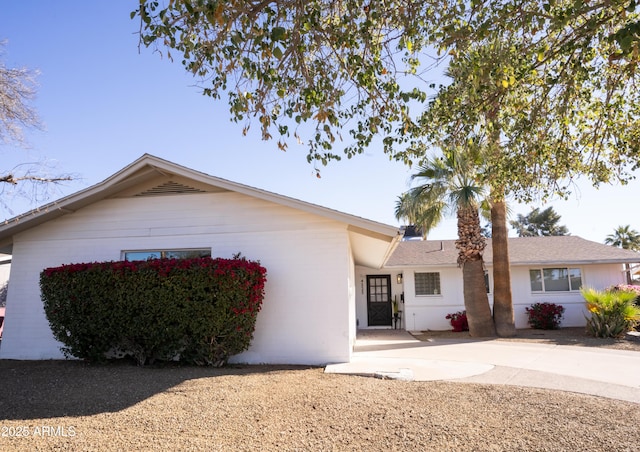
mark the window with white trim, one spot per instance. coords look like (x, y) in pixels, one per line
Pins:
(145, 255)
(560, 279)
(427, 283)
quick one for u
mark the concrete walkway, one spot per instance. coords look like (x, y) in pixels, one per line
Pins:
(397, 354)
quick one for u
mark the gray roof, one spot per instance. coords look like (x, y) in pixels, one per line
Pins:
(568, 249)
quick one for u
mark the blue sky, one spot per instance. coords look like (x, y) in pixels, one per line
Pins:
(104, 104)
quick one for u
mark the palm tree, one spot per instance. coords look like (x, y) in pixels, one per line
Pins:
(410, 211)
(626, 238)
(448, 184)
(503, 315)
(452, 118)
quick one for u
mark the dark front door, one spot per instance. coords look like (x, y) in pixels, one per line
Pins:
(379, 300)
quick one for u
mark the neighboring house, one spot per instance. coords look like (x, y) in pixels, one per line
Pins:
(152, 205)
(5, 268)
(543, 269)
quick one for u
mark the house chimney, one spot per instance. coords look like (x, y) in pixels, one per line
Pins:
(411, 232)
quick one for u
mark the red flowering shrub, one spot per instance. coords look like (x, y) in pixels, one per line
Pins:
(458, 321)
(545, 316)
(200, 310)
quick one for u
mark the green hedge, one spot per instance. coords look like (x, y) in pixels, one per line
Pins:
(200, 311)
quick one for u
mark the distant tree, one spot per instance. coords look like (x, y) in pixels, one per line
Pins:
(486, 230)
(17, 90)
(626, 238)
(539, 223)
(410, 211)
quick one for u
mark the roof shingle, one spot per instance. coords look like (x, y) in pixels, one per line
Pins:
(567, 249)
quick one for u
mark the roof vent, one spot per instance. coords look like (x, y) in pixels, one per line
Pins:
(170, 188)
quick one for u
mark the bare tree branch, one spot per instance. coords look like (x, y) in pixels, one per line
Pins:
(11, 179)
(17, 90)
(31, 180)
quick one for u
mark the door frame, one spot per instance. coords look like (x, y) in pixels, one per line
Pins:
(385, 308)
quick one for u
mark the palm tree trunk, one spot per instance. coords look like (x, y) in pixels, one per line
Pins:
(470, 245)
(476, 302)
(502, 298)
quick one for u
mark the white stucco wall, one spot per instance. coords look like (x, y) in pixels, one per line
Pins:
(305, 315)
(418, 313)
(352, 316)
(428, 312)
(598, 276)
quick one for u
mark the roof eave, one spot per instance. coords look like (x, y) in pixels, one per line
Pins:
(155, 165)
(577, 262)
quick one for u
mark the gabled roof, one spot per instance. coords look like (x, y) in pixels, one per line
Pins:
(148, 168)
(557, 250)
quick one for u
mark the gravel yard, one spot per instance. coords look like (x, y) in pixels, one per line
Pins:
(57, 405)
(563, 336)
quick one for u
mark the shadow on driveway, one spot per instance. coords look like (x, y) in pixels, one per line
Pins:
(382, 340)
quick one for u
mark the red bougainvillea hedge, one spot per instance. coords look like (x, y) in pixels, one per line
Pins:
(199, 311)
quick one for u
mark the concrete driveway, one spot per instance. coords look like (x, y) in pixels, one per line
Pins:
(397, 354)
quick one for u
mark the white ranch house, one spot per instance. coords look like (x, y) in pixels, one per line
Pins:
(328, 273)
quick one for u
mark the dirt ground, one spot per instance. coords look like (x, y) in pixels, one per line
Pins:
(73, 406)
(561, 336)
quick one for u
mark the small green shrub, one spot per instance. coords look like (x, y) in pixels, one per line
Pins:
(545, 316)
(200, 311)
(612, 312)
